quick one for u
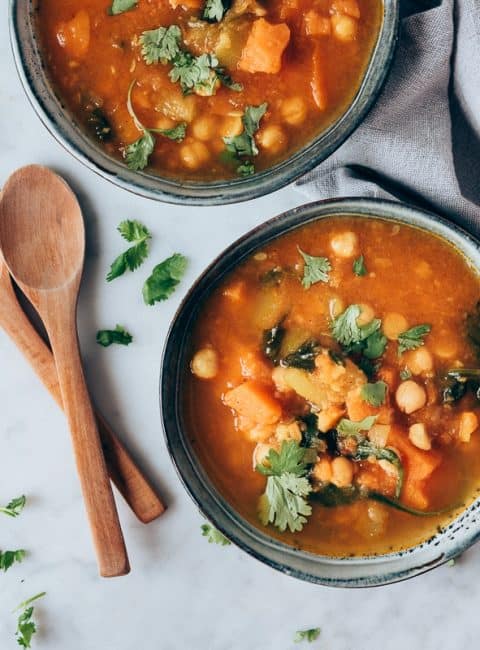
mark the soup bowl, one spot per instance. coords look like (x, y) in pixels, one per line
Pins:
(362, 571)
(63, 126)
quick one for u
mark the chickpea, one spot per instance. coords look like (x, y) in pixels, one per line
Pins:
(205, 363)
(344, 244)
(231, 126)
(342, 471)
(378, 434)
(366, 315)
(323, 470)
(294, 110)
(204, 128)
(410, 396)
(194, 154)
(393, 325)
(467, 425)
(272, 138)
(419, 361)
(419, 437)
(344, 28)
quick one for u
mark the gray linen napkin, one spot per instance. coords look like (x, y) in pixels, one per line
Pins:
(421, 141)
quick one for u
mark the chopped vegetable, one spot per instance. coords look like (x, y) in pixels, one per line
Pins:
(374, 394)
(164, 279)
(136, 233)
(307, 635)
(304, 357)
(272, 341)
(8, 558)
(413, 338)
(14, 507)
(359, 267)
(118, 335)
(316, 269)
(26, 627)
(119, 6)
(253, 400)
(214, 536)
(264, 47)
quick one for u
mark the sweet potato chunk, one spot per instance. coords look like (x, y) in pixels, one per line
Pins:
(74, 35)
(253, 400)
(264, 47)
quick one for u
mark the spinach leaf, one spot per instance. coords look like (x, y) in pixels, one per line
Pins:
(304, 357)
(272, 341)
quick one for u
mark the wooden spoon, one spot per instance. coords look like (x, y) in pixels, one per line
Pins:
(127, 476)
(42, 239)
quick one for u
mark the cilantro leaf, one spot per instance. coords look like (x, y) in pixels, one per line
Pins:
(176, 133)
(118, 335)
(214, 536)
(413, 338)
(359, 267)
(290, 459)
(137, 153)
(228, 82)
(374, 394)
(196, 73)
(161, 45)
(307, 635)
(8, 558)
(375, 345)
(138, 234)
(119, 6)
(15, 507)
(26, 627)
(346, 330)
(316, 269)
(405, 374)
(246, 168)
(164, 279)
(283, 503)
(214, 10)
(349, 428)
(242, 145)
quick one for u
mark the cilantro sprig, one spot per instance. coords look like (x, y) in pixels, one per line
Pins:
(164, 279)
(284, 502)
(9, 558)
(374, 394)
(214, 536)
(307, 635)
(214, 10)
(354, 429)
(413, 338)
(240, 146)
(137, 153)
(316, 269)
(26, 627)
(137, 234)
(119, 335)
(161, 44)
(14, 507)
(359, 267)
(120, 6)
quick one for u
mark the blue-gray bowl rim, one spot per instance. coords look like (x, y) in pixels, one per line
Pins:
(62, 126)
(369, 571)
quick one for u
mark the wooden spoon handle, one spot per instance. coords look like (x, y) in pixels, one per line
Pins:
(131, 483)
(97, 492)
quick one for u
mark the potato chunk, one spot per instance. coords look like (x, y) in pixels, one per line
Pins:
(264, 47)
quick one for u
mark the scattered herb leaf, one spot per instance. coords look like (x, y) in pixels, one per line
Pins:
(304, 357)
(359, 267)
(119, 6)
(242, 145)
(349, 428)
(26, 627)
(366, 449)
(375, 345)
(136, 233)
(413, 338)
(316, 269)
(161, 45)
(214, 10)
(118, 335)
(405, 374)
(8, 558)
(164, 279)
(346, 330)
(15, 507)
(307, 635)
(374, 394)
(214, 536)
(272, 341)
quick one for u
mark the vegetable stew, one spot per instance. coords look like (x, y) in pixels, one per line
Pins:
(333, 391)
(207, 89)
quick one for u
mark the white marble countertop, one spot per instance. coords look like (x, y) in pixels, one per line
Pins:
(182, 592)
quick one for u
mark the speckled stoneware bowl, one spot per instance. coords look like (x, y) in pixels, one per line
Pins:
(63, 126)
(343, 572)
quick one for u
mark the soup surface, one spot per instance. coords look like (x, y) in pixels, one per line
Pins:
(207, 89)
(332, 392)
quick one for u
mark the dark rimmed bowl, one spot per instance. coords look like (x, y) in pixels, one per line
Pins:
(63, 127)
(337, 572)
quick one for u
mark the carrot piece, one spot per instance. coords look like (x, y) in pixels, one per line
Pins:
(253, 400)
(317, 82)
(264, 47)
(74, 35)
(316, 24)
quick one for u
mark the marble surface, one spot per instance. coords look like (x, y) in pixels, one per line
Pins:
(182, 593)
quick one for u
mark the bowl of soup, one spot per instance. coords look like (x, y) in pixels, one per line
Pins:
(320, 392)
(202, 101)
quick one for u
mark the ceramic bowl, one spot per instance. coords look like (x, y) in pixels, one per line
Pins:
(343, 572)
(62, 124)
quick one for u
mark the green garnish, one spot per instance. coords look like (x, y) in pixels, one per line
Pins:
(118, 335)
(15, 507)
(138, 153)
(137, 234)
(374, 394)
(359, 267)
(349, 428)
(161, 45)
(243, 145)
(413, 338)
(346, 330)
(405, 374)
(316, 269)
(284, 503)
(272, 341)
(164, 279)
(374, 345)
(8, 558)
(214, 536)
(214, 10)
(304, 357)
(307, 635)
(366, 449)
(26, 627)
(119, 6)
